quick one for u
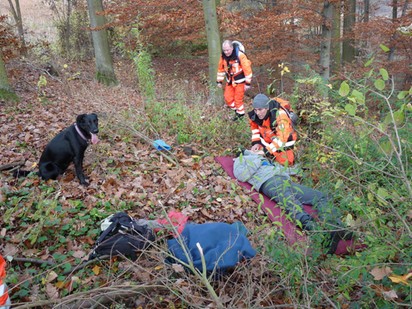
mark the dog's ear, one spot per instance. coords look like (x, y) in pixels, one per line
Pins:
(80, 118)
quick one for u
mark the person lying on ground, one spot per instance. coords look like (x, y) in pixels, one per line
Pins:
(273, 180)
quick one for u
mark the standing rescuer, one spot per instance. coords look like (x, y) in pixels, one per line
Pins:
(237, 68)
(272, 129)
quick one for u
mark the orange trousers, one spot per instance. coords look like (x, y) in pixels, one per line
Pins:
(234, 94)
(285, 156)
(282, 157)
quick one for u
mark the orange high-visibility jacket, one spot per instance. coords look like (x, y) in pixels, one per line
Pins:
(276, 129)
(4, 295)
(237, 69)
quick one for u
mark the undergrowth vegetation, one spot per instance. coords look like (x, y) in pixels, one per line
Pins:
(360, 156)
(363, 155)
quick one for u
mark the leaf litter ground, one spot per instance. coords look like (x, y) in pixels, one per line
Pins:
(124, 172)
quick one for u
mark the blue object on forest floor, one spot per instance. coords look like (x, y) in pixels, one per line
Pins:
(161, 145)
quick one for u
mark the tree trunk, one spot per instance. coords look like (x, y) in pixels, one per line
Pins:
(15, 10)
(68, 29)
(395, 35)
(214, 48)
(6, 92)
(336, 38)
(348, 48)
(366, 10)
(104, 64)
(325, 49)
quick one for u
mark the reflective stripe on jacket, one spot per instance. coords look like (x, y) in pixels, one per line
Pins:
(236, 71)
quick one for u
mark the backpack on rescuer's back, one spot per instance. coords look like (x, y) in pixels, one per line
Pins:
(237, 46)
(122, 235)
(285, 105)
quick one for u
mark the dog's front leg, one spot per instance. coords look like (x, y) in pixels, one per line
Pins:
(78, 165)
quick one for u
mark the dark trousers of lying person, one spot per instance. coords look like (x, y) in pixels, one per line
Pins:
(293, 196)
(274, 181)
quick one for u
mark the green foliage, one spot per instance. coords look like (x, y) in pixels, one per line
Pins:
(41, 90)
(194, 123)
(49, 225)
(364, 158)
(306, 98)
(73, 41)
(182, 47)
(44, 215)
(145, 73)
(141, 58)
(8, 96)
(298, 267)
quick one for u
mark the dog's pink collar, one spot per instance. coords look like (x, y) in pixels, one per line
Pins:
(80, 132)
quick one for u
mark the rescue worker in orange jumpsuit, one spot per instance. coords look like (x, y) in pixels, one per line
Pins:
(237, 68)
(272, 130)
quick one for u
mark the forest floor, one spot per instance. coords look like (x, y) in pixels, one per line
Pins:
(50, 227)
(123, 169)
(55, 221)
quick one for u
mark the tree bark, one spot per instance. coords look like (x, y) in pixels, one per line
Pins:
(15, 10)
(391, 55)
(214, 48)
(6, 92)
(104, 63)
(348, 48)
(395, 35)
(325, 49)
(366, 11)
(336, 47)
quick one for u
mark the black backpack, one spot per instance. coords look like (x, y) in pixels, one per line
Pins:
(237, 47)
(124, 236)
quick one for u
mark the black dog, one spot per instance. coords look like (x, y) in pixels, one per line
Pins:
(66, 147)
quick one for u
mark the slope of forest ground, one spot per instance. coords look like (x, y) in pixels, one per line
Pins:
(49, 227)
(125, 173)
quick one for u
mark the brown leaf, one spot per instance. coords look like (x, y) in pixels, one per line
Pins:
(79, 254)
(206, 213)
(27, 137)
(379, 273)
(52, 291)
(390, 295)
(178, 268)
(10, 249)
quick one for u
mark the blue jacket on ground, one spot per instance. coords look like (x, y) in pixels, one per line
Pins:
(223, 245)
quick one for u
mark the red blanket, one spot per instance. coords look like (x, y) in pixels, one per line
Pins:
(275, 213)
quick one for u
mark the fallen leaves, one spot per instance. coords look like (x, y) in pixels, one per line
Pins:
(401, 279)
(379, 273)
(96, 270)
